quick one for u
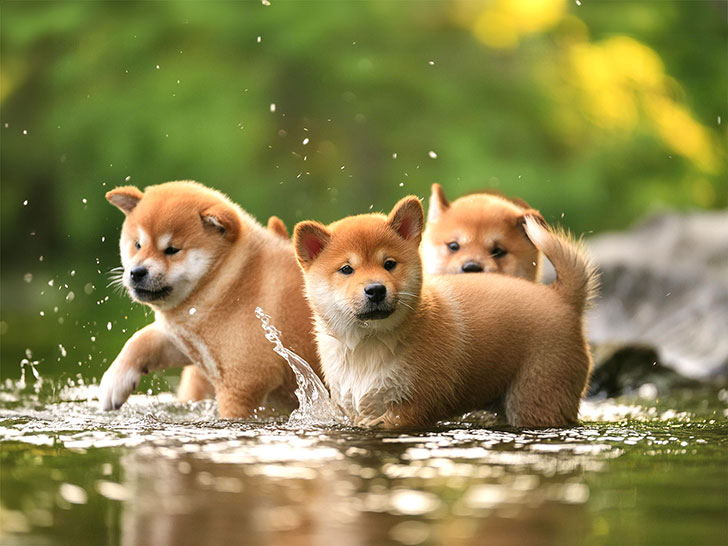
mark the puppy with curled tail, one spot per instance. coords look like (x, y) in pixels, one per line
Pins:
(400, 349)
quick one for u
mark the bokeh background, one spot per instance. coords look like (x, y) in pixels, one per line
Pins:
(597, 113)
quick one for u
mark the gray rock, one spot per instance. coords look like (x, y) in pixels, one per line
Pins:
(665, 285)
(627, 369)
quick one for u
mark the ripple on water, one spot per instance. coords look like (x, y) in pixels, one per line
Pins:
(161, 424)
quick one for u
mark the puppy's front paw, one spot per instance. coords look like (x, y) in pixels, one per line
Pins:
(385, 421)
(117, 384)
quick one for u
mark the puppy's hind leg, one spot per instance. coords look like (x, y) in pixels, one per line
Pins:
(194, 385)
(547, 393)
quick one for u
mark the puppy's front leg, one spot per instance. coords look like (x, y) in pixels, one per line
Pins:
(147, 350)
(373, 412)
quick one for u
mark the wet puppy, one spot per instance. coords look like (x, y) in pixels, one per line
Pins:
(203, 265)
(479, 232)
(400, 349)
(193, 385)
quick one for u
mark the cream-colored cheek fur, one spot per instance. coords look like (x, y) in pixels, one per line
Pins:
(184, 276)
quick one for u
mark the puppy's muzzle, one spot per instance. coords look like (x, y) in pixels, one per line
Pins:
(375, 292)
(144, 288)
(138, 273)
(376, 307)
(472, 267)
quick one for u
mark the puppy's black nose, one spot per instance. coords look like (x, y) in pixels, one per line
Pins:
(472, 267)
(375, 292)
(138, 273)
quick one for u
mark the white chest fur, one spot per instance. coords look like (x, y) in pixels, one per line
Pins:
(366, 370)
(192, 345)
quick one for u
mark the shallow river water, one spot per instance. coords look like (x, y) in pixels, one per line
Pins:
(159, 472)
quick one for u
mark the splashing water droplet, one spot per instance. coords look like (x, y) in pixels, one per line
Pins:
(108, 326)
(272, 106)
(193, 310)
(314, 403)
(432, 154)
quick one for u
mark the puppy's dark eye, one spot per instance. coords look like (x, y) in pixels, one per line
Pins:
(498, 252)
(346, 269)
(137, 245)
(454, 246)
(171, 250)
(389, 265)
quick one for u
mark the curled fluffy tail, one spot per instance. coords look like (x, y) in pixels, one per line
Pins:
(576, 276)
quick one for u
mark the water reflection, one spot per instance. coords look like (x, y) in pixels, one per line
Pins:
(159, 472)
(193, 500)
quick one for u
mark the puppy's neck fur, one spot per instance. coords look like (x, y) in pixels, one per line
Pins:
(362, 366)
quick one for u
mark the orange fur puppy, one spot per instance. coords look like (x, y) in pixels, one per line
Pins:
(400, 349)
(203, 265)
(479, 232)
(193, 385)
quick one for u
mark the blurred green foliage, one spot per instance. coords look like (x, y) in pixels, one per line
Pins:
(595, 113)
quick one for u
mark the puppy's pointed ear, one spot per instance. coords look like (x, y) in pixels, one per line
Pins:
(276, 225)
(309, 239)
(223, 218)
(125, 198)
(407, 218)
(438, 203)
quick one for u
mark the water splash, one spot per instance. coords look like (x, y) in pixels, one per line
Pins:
(314, 403)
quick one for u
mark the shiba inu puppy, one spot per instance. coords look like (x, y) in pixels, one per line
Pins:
(479, 232)
(194, 386)
(203, 265)
(401, 349)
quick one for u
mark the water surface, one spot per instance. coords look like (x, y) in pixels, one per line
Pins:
(160, 472)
